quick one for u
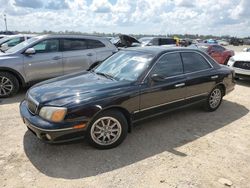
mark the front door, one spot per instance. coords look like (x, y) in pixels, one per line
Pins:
(164, 88)
(45, 63)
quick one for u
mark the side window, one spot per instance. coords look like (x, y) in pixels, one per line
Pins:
(194, 62)
(51, 45)
(94, 44)
(74, 44)
(169, 65)
(14, 42)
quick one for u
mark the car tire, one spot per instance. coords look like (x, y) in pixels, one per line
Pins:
(9, 84)
(214, 99)
(107, 130)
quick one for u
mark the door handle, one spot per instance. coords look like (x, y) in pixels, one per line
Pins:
(56, 58)
(180, 85)
(89, 54)
(214, 77)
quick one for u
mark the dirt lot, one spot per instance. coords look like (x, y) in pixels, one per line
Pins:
(185, 148)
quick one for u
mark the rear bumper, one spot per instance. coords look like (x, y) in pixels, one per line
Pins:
(49, 132)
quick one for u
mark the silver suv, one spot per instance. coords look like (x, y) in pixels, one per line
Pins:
(48, 56)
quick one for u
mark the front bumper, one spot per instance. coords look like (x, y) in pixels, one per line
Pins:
(48, 131)
(239, 71)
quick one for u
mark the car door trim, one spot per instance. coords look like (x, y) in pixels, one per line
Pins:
(159, 105)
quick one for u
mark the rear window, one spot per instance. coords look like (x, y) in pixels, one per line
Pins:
(94, 44)
(74, 44)
(194, 62)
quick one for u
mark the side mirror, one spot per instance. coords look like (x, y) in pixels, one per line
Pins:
(4, 47)
(30, 51)
(157, 78)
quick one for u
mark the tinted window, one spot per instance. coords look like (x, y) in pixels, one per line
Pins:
(194, 62)
(74, 44)
(95, 44)
(14, 41)
(166, 41)
(45, 46)
(169, 65)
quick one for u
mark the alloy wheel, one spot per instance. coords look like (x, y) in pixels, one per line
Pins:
(106, 130)
(6, 86)
(215, 98)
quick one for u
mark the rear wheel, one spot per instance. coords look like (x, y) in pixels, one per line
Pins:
(107, 130)
(214, 99)
(9, 84)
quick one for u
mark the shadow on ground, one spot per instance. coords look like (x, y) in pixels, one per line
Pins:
(243, 82)
(149, 138)
(15, 99)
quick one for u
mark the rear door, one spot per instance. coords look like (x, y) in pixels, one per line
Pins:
(46, 63)
(200, 76)
(166, 93)
(76, 55)
(102, 51)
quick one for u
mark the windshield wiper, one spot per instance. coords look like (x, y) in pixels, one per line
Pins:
(106, 75)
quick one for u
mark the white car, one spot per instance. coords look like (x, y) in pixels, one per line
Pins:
(10, 41)
(241, 64)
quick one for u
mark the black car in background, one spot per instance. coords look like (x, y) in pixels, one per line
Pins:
(133, 84)
(158, 41)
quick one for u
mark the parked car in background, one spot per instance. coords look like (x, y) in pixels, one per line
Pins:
(158, 41)
(2, 36)
(12, 40)
(211, 41)
(131, 85)
(185, 42)
(125, 41)
(246, 41)
(48, 56)
(219, 53)
(223, 42)
(241, 64)
(236, 41)
(246, 50)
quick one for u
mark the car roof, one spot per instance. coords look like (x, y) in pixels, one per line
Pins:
(158, 50)
(71, 36)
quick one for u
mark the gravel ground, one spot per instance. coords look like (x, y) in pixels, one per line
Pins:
(185, 148)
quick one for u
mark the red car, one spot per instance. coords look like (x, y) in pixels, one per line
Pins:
(217, 52)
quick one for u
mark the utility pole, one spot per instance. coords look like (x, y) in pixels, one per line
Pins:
(5, 20)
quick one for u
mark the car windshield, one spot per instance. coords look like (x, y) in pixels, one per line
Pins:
(22, 45)
(4, 39)
(125, 65)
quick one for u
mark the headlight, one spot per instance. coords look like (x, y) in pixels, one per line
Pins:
(55, 114)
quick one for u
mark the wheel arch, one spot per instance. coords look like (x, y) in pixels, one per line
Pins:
(15, 73)
(124, 111)
(222, 85)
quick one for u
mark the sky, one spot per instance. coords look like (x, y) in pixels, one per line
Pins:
(216, 17)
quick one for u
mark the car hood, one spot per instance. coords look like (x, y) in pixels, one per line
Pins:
(242, 56)
(75, 88)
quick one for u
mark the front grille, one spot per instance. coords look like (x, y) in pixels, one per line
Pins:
(32, 105)
(242, 65)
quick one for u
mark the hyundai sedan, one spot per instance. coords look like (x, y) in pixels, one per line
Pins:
(136, 83)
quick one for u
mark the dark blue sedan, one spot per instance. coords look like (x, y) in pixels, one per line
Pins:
(103, 103)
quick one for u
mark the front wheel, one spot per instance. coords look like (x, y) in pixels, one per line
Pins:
(9, 84)
(214, 99)
(107, 130)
